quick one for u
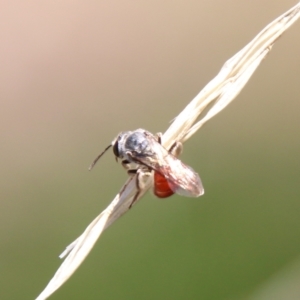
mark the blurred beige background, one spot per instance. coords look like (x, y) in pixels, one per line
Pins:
(74, 74)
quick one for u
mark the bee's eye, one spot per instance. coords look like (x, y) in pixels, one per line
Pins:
(116, 149)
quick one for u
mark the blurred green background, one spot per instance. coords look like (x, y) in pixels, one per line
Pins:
(73, 75)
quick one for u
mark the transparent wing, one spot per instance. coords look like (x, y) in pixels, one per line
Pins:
(183, 180)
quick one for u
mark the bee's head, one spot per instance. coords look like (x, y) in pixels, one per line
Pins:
(116, 148)
(117, 144)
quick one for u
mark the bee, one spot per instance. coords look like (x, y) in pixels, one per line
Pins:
(142, 153)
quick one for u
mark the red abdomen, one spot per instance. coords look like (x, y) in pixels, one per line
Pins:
(162, 187)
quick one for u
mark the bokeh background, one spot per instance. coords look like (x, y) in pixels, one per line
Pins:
(74, 74)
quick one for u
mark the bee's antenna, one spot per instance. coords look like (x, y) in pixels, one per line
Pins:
(98, 157)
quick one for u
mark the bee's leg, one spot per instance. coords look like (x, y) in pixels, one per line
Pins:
(141, 177)
(126, 184)
(126, 164)
(176, 149)
(130, 172)
(158, 136)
